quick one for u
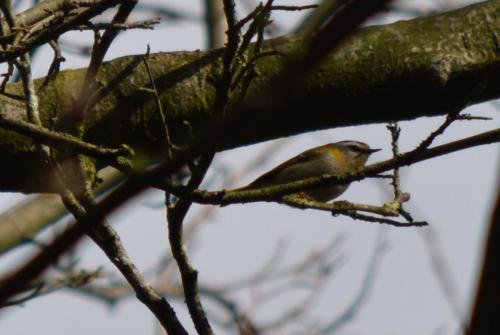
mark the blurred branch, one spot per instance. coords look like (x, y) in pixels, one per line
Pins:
(110, 243)
(233, 42)
(215, 25)
(166, 12)
(81, 199)
(166, 132)
(136, 184)
(55, 65)
(50, 284)
(441, 267)
(99, 50)
(386, 89)
(336, 29)
(314, 20)
(48, 20)
(293, 8)
(101, 46)
(365, 290)
(21, 223)
(308, 273)
(484, 318)
(321, 262)
(144, 24)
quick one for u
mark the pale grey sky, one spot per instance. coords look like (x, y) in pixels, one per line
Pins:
(407, 297)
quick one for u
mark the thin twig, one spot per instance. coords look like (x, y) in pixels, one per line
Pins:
(337, 207)
(115, 157)
(73, 13)
(30, 94)
(351, 210)
(399, 196)
(72, 279)
(145, 24)
(189, 275)
(99, 50)
(250, 16)
(55, 65)
(244, 72)
(164, 124)
(138, 183)
(233, 41)
(274, 193)
(468, 117)
(450, 118)
(259, 21)
(250, 65)
(32, 110)
(368, 218)
(16, 302)
(6, 76)
(314, 20)
(109, 241)
(293, 8)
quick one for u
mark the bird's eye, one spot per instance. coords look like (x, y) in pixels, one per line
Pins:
(354, 148)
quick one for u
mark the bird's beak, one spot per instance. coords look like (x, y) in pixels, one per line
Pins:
(371, 151)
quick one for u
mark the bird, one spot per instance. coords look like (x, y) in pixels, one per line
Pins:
(332, 158)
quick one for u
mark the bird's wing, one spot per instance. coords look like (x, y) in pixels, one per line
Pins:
(269, 177)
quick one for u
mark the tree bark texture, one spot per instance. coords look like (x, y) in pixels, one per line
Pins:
(401, 71)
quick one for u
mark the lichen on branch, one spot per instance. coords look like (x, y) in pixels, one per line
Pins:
(401, 71)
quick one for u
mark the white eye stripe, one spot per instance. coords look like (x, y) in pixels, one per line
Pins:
(354, 145)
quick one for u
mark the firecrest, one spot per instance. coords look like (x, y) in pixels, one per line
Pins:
(332, 158)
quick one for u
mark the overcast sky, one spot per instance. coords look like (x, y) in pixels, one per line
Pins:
(408, 294)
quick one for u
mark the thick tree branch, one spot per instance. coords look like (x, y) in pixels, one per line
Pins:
(402, 71)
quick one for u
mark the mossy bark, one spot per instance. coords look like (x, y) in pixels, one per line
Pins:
(401, 71)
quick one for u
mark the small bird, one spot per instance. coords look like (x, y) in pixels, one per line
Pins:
(331, 158)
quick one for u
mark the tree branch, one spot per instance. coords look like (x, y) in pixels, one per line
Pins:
(370, 78)
(274, 193)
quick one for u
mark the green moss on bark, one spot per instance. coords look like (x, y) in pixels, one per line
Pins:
(401, 71)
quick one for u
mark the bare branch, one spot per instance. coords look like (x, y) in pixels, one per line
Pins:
(113, 157)
(109, 241)
(176, 214)
(55, 65)
(351, 210)
(274, 193)
(166, 132)
(138, 183)
(45, 25)
(21, 223)
(145, 24)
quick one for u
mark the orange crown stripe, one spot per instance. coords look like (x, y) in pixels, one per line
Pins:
(339, 155)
